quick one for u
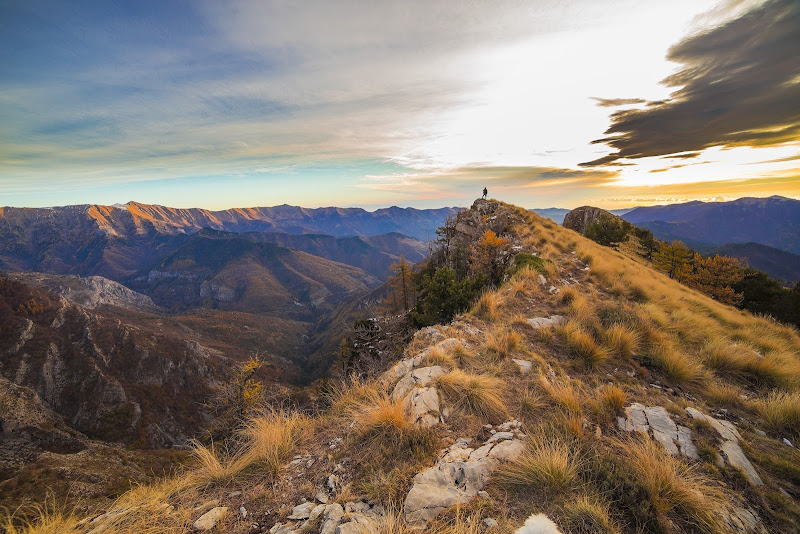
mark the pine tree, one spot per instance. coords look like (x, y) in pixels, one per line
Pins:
(402, 286)
(716, 277)
(674, 259)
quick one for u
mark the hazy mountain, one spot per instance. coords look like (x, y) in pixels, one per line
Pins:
(229, 272)
(775, 262)
(772, 221)
(374, 254)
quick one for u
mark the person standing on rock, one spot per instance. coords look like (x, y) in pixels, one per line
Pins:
(485, 192)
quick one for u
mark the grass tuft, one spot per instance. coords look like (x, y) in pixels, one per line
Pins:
(622, 339)
(677, 490)
(478, 394)
(588, 515)
(501, 342)
(780, 411)
(549, 466)
(272, 436)
(486, 306)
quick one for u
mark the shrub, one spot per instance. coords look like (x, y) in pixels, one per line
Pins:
(479, 394)
(608, 230)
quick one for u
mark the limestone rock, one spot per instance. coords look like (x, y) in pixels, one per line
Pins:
(458, 476)
(544, 322)
(580, 218)
(416, 378)
(538, 524)
(301, 511)
(676, 439)
(525, 366)
(730, 447)
(333, 516)
(209, 520)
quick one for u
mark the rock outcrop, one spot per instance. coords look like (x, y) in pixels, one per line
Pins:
(461, 472)
(580, 218)
(729, 445)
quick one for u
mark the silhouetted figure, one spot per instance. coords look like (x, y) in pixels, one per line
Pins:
(485, 192)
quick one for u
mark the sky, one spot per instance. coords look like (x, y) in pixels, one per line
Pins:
(202, 103)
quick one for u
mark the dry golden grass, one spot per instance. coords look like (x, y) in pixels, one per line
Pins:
(563, 394)
(724, 395)
(580, 344)
(780, 412)
(144, 509)
(588, 515)
(486, 306)
(272, 436)
(676, 489)
(47, 520)
(437, 356)
(381, 418)
(476, 393)
(549, 465)
(676, 366)
(622, 340)
(501, 342)
(463, 355)
(613, 398)
(347, 395)
(726, 359)
(212, 467)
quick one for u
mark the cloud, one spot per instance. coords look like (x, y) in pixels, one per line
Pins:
(614, 102)
(738, 85)
(688, 155)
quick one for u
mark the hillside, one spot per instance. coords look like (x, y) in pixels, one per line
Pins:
(587, 392)
(773, 221)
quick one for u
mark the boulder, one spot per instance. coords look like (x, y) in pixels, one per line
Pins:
(209, 520)
(538, 524)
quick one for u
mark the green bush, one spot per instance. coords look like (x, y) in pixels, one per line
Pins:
(523, 260)
(442, 296)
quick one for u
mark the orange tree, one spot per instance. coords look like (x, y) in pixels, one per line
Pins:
(488, 256)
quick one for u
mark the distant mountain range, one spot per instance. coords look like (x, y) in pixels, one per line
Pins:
(772, 221)
(118, 242)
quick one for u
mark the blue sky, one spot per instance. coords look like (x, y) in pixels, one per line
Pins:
(243, 103)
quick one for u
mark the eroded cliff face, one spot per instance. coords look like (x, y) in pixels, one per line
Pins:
(105, 378)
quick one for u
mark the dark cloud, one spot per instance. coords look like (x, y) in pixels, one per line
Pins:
(738, 85)
(688, 155)
(614, 102)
